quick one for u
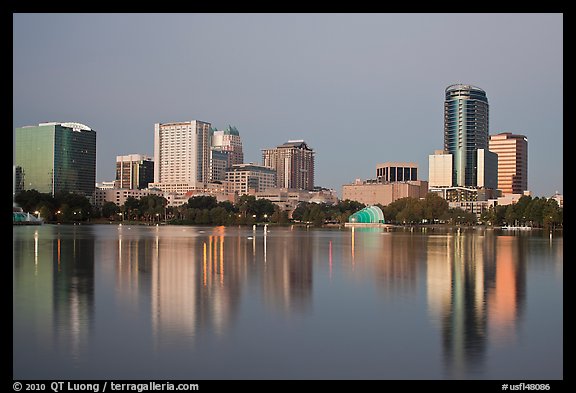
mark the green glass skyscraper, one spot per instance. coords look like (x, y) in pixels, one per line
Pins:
(57, 157)
(465, 131)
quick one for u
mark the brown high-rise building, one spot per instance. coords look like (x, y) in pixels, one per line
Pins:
(512, 150)
(294, 164)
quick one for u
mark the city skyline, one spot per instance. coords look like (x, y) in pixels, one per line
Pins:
(368, 94)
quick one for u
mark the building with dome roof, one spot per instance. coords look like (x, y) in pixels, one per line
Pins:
(370, 216)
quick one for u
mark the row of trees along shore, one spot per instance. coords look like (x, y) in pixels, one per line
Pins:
(206, 210)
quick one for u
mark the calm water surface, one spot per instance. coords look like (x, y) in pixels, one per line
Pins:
(175, 302)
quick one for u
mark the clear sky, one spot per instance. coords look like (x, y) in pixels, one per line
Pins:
(360, 89)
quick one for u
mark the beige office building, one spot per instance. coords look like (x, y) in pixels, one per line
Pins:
(249, 178)
(512, 150)
(371, 193)
(440, 169)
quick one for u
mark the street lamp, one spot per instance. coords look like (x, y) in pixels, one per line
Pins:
(37, 213)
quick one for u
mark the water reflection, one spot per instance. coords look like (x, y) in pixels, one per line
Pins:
(192, 286)
(196, 297)
(287, 284)
(392, 260)
(61, 288)
(476, 290)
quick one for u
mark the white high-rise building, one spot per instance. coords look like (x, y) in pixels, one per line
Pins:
(181, 156)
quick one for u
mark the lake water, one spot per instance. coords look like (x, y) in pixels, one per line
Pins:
(181, 302)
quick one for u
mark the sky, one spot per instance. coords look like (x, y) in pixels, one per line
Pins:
(360, 89)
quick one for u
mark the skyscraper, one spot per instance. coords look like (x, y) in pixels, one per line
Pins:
(181, 155)
(229, 140)
(465, 131)
(294, 164)
(512, 150)
(57, 157)
(134, 171)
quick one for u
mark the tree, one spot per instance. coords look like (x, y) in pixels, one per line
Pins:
(229, 206)
(264, 207)
(79, 204)
(132, 207)
(45, 212)
(434, 206)
(521, 208)
(218, 215)
(202, 202)
(412, 211)
(551, 214)
(110, 209)
(32, 200)
(511, 215)
(298, 213)
(152, 205)
(247, 205)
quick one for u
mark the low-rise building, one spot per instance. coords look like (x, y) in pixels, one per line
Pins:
(374, 192)
(250, 178)
(120, 195)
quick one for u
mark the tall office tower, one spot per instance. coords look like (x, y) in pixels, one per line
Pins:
(181, 155)
(512, 150)
(57, 157)
(465, 131)
(294, 164)
(229, 140)
(134, 171)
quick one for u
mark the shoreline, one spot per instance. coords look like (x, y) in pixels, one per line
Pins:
(412, 227)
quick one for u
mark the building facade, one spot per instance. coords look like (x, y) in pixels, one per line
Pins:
(181, 155)
(120, 195)
(440, 169)
(372, 193)
(294, 164)
(465, 131)
(512, 150)
(487, 169)
(249, 178)
(396, 171)
(229, 140)
(57, 157)
(219, 162)
(288, 199)
(134, 171)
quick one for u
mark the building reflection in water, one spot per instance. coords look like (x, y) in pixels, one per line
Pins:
(73, 279)
(192, 279)
(392, 260)
(60, 290)
(476, 291)
(287, 279)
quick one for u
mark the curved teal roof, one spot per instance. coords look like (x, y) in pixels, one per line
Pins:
(368, 215)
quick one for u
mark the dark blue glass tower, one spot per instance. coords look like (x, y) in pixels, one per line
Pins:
(465, 131)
